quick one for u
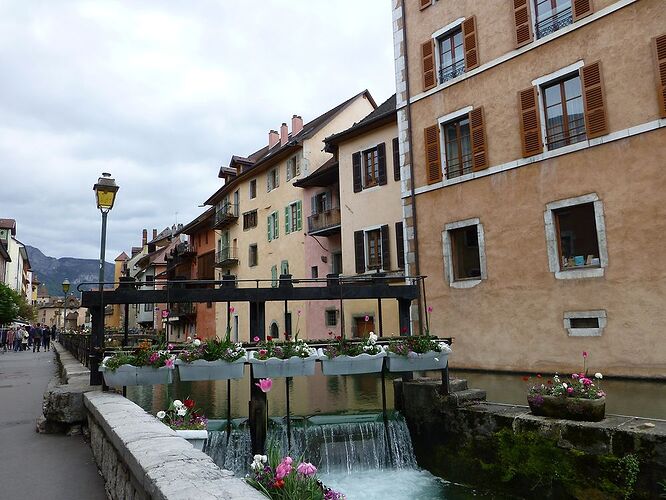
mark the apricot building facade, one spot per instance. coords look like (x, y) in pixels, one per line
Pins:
(532, 150)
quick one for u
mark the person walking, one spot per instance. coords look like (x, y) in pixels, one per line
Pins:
(36, 338)
(54, 333)
(46, 338)
(3, 338)
(24, 339)
(11, 339)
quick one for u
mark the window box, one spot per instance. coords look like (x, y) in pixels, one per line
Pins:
(431, 360)
(276, 368)
(351, 365)
(201, 369)
(196, 438)
(589, 410)
(127, 375)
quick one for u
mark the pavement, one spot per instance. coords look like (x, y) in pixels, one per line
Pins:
(40, 466)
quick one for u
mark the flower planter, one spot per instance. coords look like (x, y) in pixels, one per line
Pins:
(275, 368)
(136, 375)
(201, 369)
(196, 438)
(351, 365)
(589, 410)
(431, 360)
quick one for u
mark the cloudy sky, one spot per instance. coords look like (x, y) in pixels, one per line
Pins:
(161, 93)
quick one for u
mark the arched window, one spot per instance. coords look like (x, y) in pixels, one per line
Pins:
(275, 331)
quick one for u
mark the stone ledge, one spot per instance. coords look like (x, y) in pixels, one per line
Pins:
(162, 463)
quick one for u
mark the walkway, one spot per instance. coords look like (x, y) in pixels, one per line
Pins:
(39, 465)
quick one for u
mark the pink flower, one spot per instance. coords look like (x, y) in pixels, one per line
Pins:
(586, 381)
(367, 318)
(169, 347)
(232, 309)
(429, 309)
(585, 354)
(570, 390)
(287, 460)
(306, 469)
(153, 357)
(265, 384)
(298, 312)
(169, 363)
(282, 470)
(574, 376)
(256, 339)
(601, 394)
(263, 352)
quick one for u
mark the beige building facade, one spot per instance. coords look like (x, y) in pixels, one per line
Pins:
(532, 148)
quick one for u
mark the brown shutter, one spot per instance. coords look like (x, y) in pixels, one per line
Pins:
(386, 249)
(478, 133)
(356, 165)
(469, 40)
(432, 156)
(530, 128)
(596, 121)
(522, 17)
(659, 49)
(428, 63)
(396, 160)
(359, 251)
(381, 160)
(581, 8)
(399, 242)
(425, 4)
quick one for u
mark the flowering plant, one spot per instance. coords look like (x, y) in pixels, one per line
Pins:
(418, 344)
(143, 355)
(281, 479)
(282, 350)
(578, 385)
(212, 350)
(346, 347)
(181, 415)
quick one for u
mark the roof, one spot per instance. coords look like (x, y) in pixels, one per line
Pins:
(168, 232)
(265, 156)
(325, 175)
(8, 224)
(121, 258)
(384, 114)
(200, 223)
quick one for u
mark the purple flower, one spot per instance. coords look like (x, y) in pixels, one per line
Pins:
(306, 469)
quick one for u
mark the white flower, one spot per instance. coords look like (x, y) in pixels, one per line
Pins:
(178, 403)
(196, 343)
(598, 376)
(264, 458)
(182, 412)
(161, 414)
(256, 466)
(372, 337)
(564, 385)
(189, 339)
(444, 347)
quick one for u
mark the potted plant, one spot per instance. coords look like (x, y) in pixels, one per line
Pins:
(347, 357)
(188, 422)
(291, 358)
(417, 353)
(212, 360)
(578, 397)
(143, 366)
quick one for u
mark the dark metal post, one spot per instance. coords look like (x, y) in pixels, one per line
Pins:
(379, 313)
(97, 348)
(258, 405)
(287, 382)
(97, 319)
(385, 416)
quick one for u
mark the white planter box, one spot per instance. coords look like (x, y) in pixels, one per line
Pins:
(430, 360)
(276, 368)
(210, 370)
(136, 375)
(351, 365)
(196, 438)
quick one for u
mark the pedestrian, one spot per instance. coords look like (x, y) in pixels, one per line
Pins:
(24, 339)
(46, 338)
(36, 337)
(3, 339)
(11, 339)
(54, 333)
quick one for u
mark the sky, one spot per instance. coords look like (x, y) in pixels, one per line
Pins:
(161, 93)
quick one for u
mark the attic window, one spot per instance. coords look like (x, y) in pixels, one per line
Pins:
(585, 323)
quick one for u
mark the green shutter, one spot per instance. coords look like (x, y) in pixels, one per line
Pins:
(276, 225)
(286, 219)
(299, 217)
(268, 225)
(274, 276)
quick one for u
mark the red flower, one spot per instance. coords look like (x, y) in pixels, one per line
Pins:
(189, 403)
(339, 337)
(538, 375)
(269, 338)
(550, 382)
(279, 483)
(525, 378)
(330, 333)
(403, 329)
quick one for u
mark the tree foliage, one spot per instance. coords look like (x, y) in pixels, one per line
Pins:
(14, 306)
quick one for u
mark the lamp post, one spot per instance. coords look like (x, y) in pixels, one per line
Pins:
(65, 289)
(105, 193)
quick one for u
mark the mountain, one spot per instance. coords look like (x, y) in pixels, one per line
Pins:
(52, 272)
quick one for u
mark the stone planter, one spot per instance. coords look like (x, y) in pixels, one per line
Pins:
(589, 410)
(136, 375)
(211, 370)
(431, 360)
(351, 365)
(276, 368)
(196, 438)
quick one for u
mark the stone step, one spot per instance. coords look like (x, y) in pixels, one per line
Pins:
(467, 396)
(458, 384)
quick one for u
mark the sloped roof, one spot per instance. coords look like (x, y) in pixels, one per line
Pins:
(122, 257)
(8, 224)
(200, 222)
(325, 175)
(4, 253)
(385, 113)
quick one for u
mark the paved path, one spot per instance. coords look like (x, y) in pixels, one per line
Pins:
(40, 466)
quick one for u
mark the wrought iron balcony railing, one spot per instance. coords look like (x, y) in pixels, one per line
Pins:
(450, 72)
(553, 23)
(225, 214)
(227, 256)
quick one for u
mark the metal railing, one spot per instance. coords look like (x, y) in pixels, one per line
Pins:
(455, 167)
(226, 213)
(324, 220)
(553, 23)
(558, 137)
(78, 346)
(227, 255)
(450, 72)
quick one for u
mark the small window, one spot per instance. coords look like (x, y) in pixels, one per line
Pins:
(585, 323)
(451, 55)
(253, 189)
(250, 219)
(273, 226)
(371, 167)
(374, 246)
(466, 258)
(314, 271)
(293, 217)
(577, 237)
(284, 267)
(253, 256)
(148, 307)
(293, 167)
(336, 267)
(552, 15)
(331, 317)
(457, 148)
(272, 179)
(274, 276)
(563, 111)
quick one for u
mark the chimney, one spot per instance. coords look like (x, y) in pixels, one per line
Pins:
(144, 239)
(284, 134)
(273, 138)
(154, 233)
(296, 125)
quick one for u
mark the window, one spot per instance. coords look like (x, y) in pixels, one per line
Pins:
(563, 110)
(253, 189)
(284, 267)
(370, 167)
(374, 246)
(293, 217)
(336, 267)
(451, 55)
(250, 219)
(321, 202)
(148, 307)
(331, 316)
(585, 323)
(464, 253)
(272, 179)
(274, 276)
(372, 251)
(273, 226)
(314, 272)
(253, 256)
(457, 148)
(293, 167)
(552, 15)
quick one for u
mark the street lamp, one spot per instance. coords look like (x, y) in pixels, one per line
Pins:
(65, 288)
(105, 194)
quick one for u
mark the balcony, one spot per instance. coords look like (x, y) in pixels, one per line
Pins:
(450, 72)
(325, 223)
(551, 24)
(225, 214)
(226, 257)
(182, 310)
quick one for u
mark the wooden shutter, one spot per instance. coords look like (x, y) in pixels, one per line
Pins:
(530, 127)
(659, 49)
(523, 19)
(381, 160)
(596, 121)
(313, 205)
(386, 249)
(425, 4)
(399, 243)
(478, 133)
(428, 64)
(356, 164)
(299, 215)
(470, 43)
(581, 8)
(359, 251)
(396, 160)
(432, 154)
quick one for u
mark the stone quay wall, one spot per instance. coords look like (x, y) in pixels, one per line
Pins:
(464, 439)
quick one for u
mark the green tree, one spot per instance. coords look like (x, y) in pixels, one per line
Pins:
(9, 304)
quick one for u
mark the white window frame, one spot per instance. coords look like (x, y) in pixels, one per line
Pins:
(443, 120)
(366, 249)
(447, 251)
(439, 33)
(601, 316)
(551, 238)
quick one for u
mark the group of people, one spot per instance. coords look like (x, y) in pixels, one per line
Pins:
(23, 338)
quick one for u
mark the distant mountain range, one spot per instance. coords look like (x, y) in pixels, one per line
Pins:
(52, 272)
